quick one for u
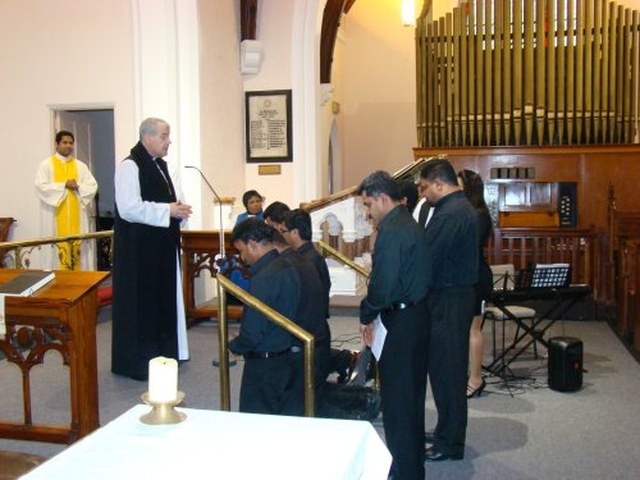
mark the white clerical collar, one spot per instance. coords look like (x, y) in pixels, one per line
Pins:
(60, 157)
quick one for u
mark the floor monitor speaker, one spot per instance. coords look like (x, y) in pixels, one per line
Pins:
(565, 364)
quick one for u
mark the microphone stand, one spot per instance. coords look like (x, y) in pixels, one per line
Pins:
(222, 260)
(221, 231)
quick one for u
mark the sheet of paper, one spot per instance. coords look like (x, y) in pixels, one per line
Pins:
(380, 333)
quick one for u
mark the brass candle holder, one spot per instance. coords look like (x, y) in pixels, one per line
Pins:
(163, 413)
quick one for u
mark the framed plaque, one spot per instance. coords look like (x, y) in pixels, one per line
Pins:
(268, 118)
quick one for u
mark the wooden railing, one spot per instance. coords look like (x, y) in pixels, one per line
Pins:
(624, 273)
(17, 254)
(524, 247)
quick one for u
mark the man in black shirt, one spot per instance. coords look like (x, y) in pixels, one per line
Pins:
(311, 317)
(275, 215)
(298, 235)
(396, 292)
(452, 243)
(269, 371)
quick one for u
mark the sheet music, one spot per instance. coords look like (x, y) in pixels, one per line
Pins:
(550, 275)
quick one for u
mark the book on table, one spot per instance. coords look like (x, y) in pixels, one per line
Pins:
(26, 282)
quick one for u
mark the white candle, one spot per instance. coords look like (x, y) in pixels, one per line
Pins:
(163, 379)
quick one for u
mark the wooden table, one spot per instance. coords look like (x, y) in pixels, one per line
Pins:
(199, 251)
(61, 316)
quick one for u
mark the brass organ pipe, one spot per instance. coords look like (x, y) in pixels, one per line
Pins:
(628, 86)
(420, 80)
(579, 83)
(456, 74)
(560, 72)
(517, 107)
(442, 77)
(570, 114)
(597, 72)
(588, 71)
(450, 86)
(604, 87)
(506, 107)
(431, 92)
(491, 48)
(464, 68)
(635, 64)
(472, 108)
(550, 36)
(528, 73)
(541, 52)
(619, 77)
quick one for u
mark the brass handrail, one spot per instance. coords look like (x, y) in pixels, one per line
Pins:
(342, 258)
(18, 246)
(61, 239)
(225, 285)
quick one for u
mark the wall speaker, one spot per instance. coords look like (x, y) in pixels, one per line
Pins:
(565, 364)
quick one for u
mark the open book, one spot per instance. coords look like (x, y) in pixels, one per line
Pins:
(26, 282)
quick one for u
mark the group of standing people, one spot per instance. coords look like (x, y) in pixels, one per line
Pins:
(423, 293)
(425, 290)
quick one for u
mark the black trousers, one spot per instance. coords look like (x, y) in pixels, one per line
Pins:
(451, 311)
(403, 382)
(266, 385)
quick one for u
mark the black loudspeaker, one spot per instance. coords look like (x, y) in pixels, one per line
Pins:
(567, 204)
(565, 364)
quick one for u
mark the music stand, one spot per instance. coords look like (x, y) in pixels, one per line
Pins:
(543, 282)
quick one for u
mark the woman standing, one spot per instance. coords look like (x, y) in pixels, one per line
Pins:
(473, 187)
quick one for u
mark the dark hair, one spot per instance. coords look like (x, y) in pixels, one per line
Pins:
(279, 240)
(300, 220)
(473, 188)
(409, 190)
(439, 169)
(248, 195)
(276, 212)
(380, 182)
(64, 133)
(253, 229)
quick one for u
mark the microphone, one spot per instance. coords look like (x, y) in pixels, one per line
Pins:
(221, 261)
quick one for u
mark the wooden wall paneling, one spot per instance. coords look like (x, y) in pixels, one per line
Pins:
(593, 168)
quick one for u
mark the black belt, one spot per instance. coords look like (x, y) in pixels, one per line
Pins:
(399, 306)
(265, 355)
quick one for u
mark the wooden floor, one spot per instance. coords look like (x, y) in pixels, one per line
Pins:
(15, 464)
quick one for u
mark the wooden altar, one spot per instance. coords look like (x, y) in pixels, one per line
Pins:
(59, 317)
(199, 251)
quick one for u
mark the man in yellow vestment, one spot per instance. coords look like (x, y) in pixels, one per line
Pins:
(66, 189)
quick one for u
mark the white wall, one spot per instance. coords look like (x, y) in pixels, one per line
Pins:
(379, 90)
(275, 34)
(69, 52)
(221, 104)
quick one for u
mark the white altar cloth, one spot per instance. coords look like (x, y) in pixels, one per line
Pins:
(223, 445)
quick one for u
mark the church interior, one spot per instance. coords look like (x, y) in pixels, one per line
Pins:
(539, 97)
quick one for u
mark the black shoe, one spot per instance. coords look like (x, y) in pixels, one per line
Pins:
(476, 392)
(433, 455)
(430, 437)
